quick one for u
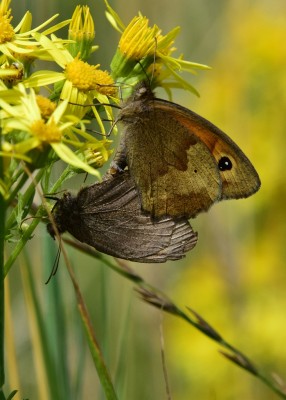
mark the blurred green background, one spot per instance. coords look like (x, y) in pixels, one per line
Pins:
(235, 277)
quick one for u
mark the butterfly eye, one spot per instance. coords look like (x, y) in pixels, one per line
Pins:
(224, 164)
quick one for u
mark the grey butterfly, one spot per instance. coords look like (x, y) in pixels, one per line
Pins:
(108, 216)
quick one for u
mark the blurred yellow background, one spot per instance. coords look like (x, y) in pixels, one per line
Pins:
(236, 276)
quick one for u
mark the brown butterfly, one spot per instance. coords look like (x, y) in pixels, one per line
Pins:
(108, 216)
(180, 162)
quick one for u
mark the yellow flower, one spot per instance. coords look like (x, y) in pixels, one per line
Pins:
(46, 133)
(82, 33)
(81, 25)
(18, 40)
(6, 29)
(46, 106)
(139, 46)
(79, 83)
(87, 77)
(139, 40)
(140, 43)
(28, 131)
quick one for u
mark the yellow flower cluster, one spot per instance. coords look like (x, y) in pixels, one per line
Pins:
(78, 93)
(35, 123)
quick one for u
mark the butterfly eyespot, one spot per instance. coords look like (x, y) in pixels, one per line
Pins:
(195, 171)
(224, 164)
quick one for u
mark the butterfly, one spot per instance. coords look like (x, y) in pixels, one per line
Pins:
(108, 216)
(180, 162)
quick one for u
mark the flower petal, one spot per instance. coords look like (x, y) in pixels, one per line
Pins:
(69, 157)
(43, 78)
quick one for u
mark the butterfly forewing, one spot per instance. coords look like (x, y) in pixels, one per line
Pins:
(240, 179)
(180, 162)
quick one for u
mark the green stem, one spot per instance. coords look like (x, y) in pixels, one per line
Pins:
(28, 233)
(20, 245)
(26, 197)
(2, 238)
(95, 350)
(18, 186)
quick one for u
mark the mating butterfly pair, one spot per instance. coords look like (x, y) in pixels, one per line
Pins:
(170, 165)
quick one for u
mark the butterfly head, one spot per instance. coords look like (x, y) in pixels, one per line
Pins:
(61, 214)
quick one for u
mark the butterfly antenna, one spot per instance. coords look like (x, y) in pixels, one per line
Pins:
(112, 105)
(154, 61)
(85, 177)
(145, 73)
(120, 93)
(150, 79)
(56, 265)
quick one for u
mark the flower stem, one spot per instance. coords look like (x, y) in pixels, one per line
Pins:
(37, 218)
(2, 237)
(26, 196)
(19, 185)
(103, 373)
